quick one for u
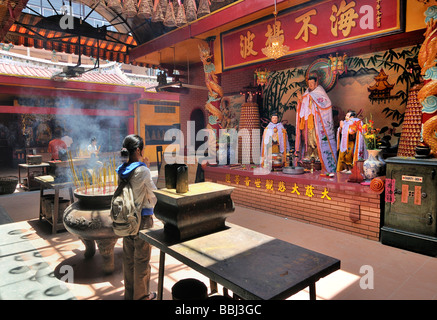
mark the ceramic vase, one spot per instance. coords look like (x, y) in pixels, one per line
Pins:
(383, 164)
(372, 166)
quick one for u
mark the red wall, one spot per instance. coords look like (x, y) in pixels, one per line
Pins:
(196, 98)
(350, 208)
(234, 80)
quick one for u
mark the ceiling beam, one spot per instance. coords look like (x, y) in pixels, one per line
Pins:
(11, 14)
(206, 24)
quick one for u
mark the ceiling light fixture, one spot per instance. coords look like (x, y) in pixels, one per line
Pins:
(275, 43)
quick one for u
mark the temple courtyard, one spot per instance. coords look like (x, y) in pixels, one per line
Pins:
(36, 264)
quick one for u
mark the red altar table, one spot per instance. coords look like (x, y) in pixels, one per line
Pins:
(312, 198)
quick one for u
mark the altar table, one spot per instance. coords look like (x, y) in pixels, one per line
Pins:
(250, 264)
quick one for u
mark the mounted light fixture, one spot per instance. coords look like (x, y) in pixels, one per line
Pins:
(64, 9)
(275, 43)
(337, 63)
(261, 76)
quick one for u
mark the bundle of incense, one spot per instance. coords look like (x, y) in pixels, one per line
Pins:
(109, 172)
(93, 178)
(110, 175)
(87, 180)
(115, 173)
(84, 180)
(104, 179)
(73, 171)
(71, 168)
(99, 179)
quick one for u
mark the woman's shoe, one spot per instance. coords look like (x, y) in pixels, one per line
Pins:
(151, 296)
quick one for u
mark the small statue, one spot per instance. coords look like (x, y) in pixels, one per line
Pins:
(278, 135)
(350, 142)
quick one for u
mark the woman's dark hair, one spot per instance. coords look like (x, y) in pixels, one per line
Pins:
(58, 133)
(93, 139)
(131, 143)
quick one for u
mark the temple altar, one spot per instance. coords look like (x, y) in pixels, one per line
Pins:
(330, 202)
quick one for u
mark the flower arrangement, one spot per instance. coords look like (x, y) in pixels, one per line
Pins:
(370, 134)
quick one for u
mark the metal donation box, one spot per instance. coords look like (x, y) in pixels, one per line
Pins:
(410, 205)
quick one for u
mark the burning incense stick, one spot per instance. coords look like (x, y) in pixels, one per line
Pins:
(115, 172)
(84, 180)
(73, 172)
(100, 180)
(104, 179)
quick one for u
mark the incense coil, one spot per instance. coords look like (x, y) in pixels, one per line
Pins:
(203, 9)
(190, 10)
(157, 14)
(129, 8)
(181, 18)
(429, 134)
(429, 89)
(170, 20)
(145, 9)
(377, 184)
(115, 5)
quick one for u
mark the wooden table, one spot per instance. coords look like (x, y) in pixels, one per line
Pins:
(250, 264)
(48, 182)
(29, 167)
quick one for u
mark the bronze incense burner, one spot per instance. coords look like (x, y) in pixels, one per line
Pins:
(89, 218)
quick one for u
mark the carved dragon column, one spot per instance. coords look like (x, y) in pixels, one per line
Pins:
(215, 93)
(427, 96)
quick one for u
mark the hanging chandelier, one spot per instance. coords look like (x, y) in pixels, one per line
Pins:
(275, 43)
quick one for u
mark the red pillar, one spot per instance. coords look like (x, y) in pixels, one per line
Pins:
(131, 119)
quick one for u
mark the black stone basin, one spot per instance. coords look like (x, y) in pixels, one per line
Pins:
(201, 210)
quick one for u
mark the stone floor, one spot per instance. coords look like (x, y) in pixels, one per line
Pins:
(35, 264)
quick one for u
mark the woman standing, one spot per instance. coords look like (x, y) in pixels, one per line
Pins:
(136, 251)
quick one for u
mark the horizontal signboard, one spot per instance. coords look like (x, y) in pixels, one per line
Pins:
(327, 23)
